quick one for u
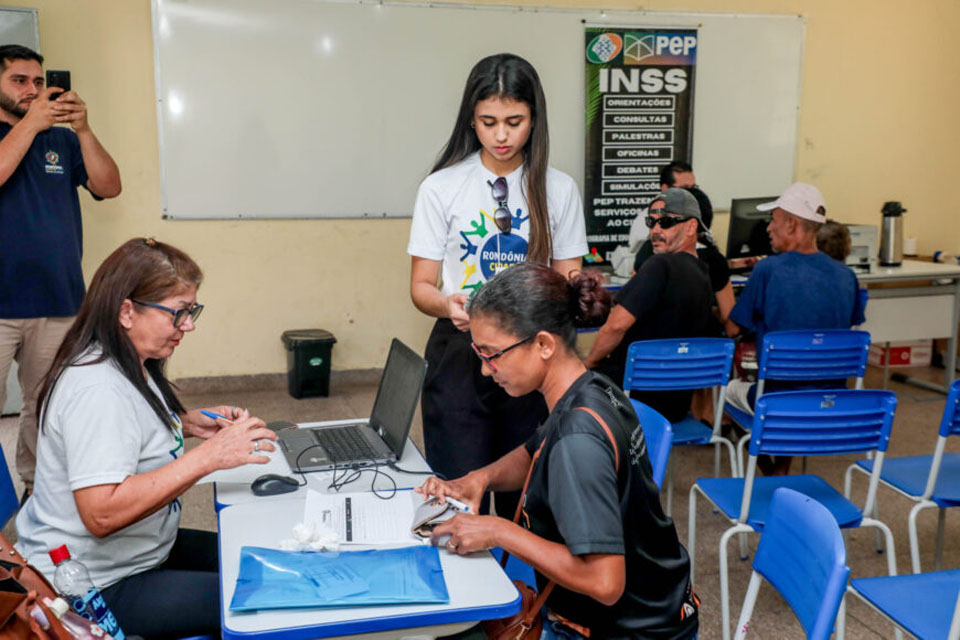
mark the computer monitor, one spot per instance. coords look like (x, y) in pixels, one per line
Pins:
(747, 235)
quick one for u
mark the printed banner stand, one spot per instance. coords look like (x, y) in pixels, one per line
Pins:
(639, 117)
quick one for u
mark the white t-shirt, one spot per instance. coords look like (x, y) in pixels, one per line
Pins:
(453, 223)
(98, 429)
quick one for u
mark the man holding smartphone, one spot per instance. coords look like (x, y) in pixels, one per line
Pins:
(41, 242)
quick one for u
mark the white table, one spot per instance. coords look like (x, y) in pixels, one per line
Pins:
(928, 309)
(233, 485)
(478, 588)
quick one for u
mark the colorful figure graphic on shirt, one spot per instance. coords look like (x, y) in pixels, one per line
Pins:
(499, 252)
(175, 453)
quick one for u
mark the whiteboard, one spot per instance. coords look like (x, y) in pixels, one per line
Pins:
(293, 109)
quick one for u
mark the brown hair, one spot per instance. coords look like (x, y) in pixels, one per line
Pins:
(833, 239)
(141, 268)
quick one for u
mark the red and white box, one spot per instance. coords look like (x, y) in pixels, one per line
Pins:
(909, 353)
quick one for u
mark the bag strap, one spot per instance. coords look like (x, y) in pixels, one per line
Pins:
(531, 615)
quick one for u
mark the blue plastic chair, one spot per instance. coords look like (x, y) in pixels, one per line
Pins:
(800, 423)
(9, 502)
(801, 554)
(926, 605)
(685, 363)
(805, 356)
(930, 480)
(659, 438)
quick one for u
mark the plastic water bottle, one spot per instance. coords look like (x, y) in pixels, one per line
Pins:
(72, 580)
(77, 626)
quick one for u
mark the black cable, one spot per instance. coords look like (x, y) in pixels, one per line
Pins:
(398, 469)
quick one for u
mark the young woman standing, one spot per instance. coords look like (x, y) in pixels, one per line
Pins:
(489, 203)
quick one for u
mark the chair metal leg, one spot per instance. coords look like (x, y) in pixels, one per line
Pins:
(741, 455)
(716, 460)
(725, 577)
(891, 557)
(692, 530)
(877, 539)
(912, 530)
(841, 624)
(938, 555)
(743, 624)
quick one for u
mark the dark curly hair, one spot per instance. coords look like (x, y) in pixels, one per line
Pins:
(529, 298)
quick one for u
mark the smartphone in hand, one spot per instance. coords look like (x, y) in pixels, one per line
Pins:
(60, 79)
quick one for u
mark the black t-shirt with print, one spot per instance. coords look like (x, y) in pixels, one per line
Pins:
(670, 297)
(577, 497)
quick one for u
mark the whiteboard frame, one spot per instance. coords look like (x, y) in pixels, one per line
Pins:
(588, 18)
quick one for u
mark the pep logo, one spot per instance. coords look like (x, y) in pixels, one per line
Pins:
(660, 48)
(604, 48)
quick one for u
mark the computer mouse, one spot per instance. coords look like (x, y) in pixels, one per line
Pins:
(273, 484)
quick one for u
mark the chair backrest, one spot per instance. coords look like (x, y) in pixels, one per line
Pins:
(9, 502)
(949, 426)
(830, 354)
(950, 423)
(659, 438)
(682, 363)
(823, 422)
(801, 554)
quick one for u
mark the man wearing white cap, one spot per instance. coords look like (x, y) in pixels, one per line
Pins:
(799, 288)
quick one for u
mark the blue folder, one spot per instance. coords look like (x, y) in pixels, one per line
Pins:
(271, 579)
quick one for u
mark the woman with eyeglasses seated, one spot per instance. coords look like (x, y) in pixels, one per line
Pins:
(490, 202)
(591, 518)
(111, 465)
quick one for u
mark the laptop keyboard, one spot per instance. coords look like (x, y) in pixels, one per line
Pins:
(345, 444)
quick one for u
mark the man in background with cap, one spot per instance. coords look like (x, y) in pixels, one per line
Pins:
(799, 288)
(670, 297)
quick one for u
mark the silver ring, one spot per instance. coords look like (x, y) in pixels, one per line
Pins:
(451, 545)
(256, 445)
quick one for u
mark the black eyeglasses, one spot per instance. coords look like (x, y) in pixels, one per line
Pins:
(179, 315)
(665, 222)
(487, 358)
(498, 188)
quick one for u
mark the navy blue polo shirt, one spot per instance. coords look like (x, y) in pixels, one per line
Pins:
(41, 238)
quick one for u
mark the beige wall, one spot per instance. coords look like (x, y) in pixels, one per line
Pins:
(880, 91)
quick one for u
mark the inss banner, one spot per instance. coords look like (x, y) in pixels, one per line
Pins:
(639, 117)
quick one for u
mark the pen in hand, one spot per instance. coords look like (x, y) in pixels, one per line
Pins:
(216, 416)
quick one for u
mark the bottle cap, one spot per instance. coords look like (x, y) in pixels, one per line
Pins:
(59, 554)
(59, 607)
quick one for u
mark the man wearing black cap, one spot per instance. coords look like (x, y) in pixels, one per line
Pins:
(670, 297)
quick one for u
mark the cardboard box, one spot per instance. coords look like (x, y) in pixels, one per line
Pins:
(909, 353)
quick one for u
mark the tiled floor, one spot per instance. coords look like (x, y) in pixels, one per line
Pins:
(914, 433)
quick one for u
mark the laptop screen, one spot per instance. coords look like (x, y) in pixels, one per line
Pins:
(398, 395)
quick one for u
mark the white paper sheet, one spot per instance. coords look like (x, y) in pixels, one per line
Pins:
(363, 518)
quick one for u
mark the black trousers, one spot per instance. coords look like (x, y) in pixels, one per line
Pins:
(469, 421)
(177, 599)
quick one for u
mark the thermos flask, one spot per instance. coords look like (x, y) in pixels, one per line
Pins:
(891, 235)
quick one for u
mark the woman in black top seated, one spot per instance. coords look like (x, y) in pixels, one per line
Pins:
(592, 519)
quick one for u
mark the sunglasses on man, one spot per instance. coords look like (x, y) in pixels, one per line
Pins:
(666, 222)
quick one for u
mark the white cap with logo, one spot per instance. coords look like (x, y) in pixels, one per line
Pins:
(802, 200)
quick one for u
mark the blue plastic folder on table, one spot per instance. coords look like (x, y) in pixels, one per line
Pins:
(271, 579)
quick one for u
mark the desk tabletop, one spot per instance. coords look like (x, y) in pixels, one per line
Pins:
(233, 485)
(911, 270)
(478, 587)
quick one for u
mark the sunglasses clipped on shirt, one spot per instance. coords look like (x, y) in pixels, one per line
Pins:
(665, 222)
(179, 315)
(502, 217)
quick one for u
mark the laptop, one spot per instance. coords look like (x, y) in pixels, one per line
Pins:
(344, 444)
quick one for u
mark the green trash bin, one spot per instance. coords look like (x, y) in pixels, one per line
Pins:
(308, 361)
